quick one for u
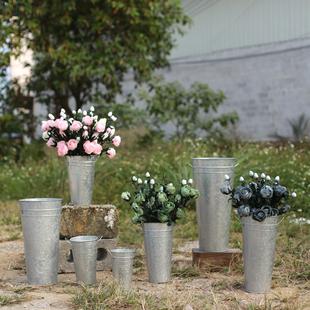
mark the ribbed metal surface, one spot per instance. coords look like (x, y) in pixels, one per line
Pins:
(41, 226)
(259, 243)
(212, 207)
(122, 264)
(84, 251)
(158, 242)
(224, 24)
(81, 170)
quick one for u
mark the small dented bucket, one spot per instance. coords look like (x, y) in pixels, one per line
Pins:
(81, 170)
(213, 208)
(122, 265)
(41, 226)
(158, 242)
(259, 243)
(84, 252)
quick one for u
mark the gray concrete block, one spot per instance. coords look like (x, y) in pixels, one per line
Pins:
(104, 261)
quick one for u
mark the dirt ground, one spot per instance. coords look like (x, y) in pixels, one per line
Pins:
(13, 279)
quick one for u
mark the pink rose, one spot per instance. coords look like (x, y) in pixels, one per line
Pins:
(56, 122)
(116, 140)
(76, 126)
(72, 144)
(62, 133)
(89, 147)
(97, 149)
(50, 142)
(50, 123)
(111, 152)
(62, 125)
(43, 127)
(100, 127)
(62, 148)
(111, 131)
(87, 120)
(85, 134)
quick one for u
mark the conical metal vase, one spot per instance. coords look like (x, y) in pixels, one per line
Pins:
(41, 225)
(81, 170)
(213, 208)
(158, 242)
(259, 243)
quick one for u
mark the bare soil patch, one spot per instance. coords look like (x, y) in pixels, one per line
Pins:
(225, 291)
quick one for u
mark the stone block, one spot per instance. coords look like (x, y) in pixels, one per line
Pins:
(104, 260)
(91, 220)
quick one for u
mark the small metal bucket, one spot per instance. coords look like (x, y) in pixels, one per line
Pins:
(84, 252)
(259, 243)
(81, 170)
(158, 242)
(213, 208)
(122, 265)
(41, 226)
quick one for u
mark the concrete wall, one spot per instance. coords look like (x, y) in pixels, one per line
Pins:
(266, 85)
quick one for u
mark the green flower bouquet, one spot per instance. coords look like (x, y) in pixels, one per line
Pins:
(159, 203)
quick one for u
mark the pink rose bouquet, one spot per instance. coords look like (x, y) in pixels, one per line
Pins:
(83, 134)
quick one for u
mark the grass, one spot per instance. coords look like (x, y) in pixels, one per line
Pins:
(46, 176)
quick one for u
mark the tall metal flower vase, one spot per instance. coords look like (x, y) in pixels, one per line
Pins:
(41, 225)
(158, 242)
(213, 208)
(81, 170)
(259, 243)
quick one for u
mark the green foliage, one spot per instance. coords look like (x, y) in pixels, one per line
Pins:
(163, 203)
(187, 110)
(82, 49)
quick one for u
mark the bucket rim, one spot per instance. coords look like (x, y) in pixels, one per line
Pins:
(83, 238)
(39, 199)
(119, 251)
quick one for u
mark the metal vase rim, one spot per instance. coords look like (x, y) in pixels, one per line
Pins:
(212, 207)
(259, 242)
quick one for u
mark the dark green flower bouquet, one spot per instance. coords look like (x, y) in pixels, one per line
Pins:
(259, 198)
(159, 203)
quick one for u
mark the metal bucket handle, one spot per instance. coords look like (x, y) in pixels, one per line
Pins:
(241, 221)
(212, 167)
(99, 240)
(109, 251)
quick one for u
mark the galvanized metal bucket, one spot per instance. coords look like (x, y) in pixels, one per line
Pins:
(213, 208)
(81, 171)
(158, 242)
(41, 226)
(84, 252)
(122, 265)
(259, 243)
